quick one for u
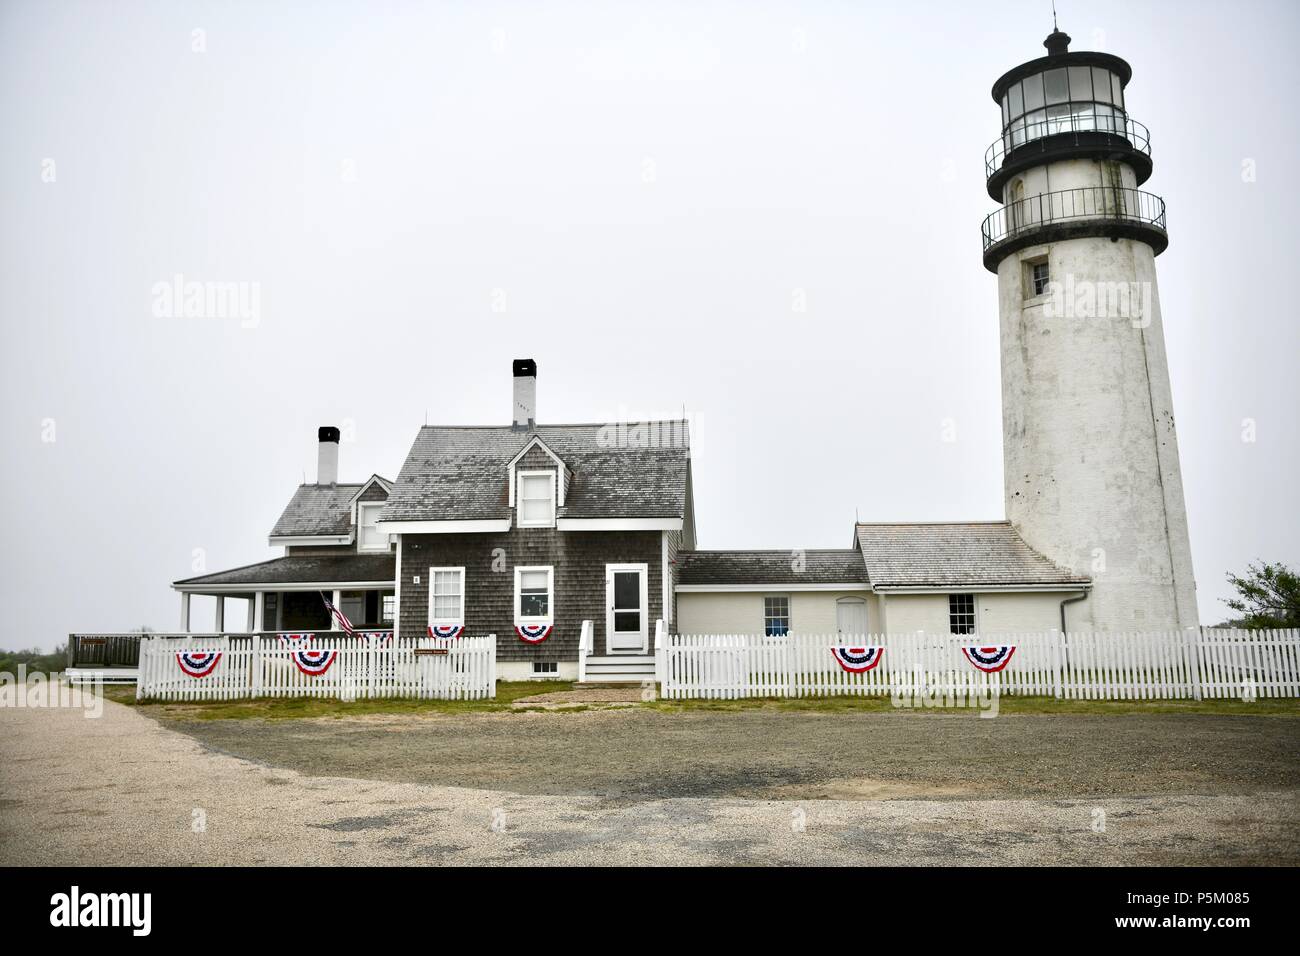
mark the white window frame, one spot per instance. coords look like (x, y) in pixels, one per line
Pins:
(519, 507)
(974, 613)
(445, 620)
(550, 590)
(361, 512)
(789, 614)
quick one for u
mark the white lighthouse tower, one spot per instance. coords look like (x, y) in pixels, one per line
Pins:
(1090, 455)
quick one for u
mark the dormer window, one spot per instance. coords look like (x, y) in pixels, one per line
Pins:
(536, 497)
(369, 537)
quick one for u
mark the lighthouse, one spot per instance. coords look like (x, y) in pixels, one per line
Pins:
(1090, 454)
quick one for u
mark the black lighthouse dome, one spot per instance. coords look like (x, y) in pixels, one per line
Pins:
(1061, 106)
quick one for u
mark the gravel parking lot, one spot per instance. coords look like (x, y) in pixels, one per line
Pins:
(645, 787)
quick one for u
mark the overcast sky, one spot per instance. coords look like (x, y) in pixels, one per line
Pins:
(637, 195)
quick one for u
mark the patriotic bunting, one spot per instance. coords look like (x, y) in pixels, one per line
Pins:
(313, 662)
(198, 663)
(294, 640)
(857, 660)
(533, 633)
(453, 631)
(990, 659)
(378, 638)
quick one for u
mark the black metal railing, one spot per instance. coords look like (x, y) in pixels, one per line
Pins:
(1034, 137)
(1073, 205)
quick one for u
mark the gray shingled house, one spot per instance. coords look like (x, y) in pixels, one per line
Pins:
(528, 530)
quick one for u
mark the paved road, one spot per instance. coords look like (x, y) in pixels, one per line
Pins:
(123, 788)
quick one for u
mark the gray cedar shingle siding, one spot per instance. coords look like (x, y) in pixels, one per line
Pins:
(955, 555)
(306, 568)
(460, 473)
(840, 566)
(579, 559)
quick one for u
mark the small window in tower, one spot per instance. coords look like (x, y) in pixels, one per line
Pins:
(1039, 278)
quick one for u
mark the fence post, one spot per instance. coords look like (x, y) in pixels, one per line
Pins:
(583, 636)
(1194, 661)
(492, 666)
(660, 669)
(255, 662)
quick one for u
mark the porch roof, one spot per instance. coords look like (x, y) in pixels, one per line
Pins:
(839, 566)
(301, 570)
(956, 555)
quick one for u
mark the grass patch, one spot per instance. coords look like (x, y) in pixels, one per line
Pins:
(281, 708)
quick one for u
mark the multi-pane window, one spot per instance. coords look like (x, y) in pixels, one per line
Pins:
(446, 595)
(533, 593)
(776, 616)
(546, 667)
(961, 613)
(369, 537)
(1039, 278)
(536, 499)
(389, 611)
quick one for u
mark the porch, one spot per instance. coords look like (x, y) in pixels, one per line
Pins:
(289, 593)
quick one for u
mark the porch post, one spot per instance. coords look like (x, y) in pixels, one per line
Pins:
(220, 620)
(185, 611)
(338, 604)
(259, 611)
(252, 613)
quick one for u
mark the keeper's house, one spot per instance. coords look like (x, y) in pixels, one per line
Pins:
(527, 530)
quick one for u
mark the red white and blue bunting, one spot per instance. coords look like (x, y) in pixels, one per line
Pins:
(452, 631)
(198, 663)
(990, 659)
(378, 638)
(857, 660)
(533, 633)
(294, 640)
(312, 661)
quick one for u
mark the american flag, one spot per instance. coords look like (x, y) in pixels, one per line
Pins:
(339, 616)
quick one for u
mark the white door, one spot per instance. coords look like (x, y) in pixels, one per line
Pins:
(851, 616)
(626, 609)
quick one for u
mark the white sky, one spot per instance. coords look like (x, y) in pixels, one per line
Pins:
(828, 147)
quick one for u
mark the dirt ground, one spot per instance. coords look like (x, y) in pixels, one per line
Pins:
(648, 755)
(639, 787)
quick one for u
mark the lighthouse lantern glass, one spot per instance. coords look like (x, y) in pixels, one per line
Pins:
(1062, 100)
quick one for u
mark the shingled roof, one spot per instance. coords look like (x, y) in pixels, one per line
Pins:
(703, 568)
(319, 511)
(460, 473)
(304, 569)
(961, 554)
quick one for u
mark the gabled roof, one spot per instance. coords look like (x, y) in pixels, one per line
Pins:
(955, 555)
(304, 568)
(320, 510)
(840, 566)
(461, 473)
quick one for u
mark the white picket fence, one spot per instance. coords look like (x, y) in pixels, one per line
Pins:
(262, 666)
(1165, 665)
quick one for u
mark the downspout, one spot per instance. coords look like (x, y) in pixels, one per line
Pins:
(1078, 597)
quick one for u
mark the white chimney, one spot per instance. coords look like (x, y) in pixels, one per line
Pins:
(525, 395)
(327, 456)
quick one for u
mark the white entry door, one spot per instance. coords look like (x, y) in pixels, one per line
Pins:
(851, 616)
(626, 609)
